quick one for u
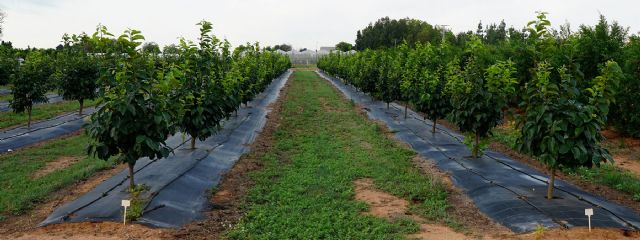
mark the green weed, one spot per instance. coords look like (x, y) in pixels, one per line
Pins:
(305, 190)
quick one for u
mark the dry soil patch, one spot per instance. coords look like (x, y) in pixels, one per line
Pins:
(384, 205)
(58, 164)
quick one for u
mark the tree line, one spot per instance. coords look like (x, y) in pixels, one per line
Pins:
(564, 85)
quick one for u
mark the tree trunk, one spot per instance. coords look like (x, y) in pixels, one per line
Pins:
(29, 121)
(476, 146)
(132, 183)
(405, 111)
(81, 105)
(550, 184)
(433, 128)
(193, 142)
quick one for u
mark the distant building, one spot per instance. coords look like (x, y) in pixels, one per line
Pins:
(309, 56)
(327, 49)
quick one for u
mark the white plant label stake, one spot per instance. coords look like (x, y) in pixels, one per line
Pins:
(125, 204)
(589, 213)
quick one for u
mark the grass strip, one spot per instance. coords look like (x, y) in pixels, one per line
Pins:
(20, 190)
(305, 190)
(41, 112)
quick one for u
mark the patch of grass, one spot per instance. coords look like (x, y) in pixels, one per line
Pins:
(406, 225)
(138, 202)
(41, 112)
(506, 135)
(606, 174)
(304, 66)
(610, 175)
(6, 98)
(21, 191)
(305, 190)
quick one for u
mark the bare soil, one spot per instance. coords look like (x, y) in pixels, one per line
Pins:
(384, 205)
(624, 150)
(58, 164)
(582, 233)
(387, 206)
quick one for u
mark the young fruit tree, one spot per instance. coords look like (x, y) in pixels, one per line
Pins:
(138, 109)
(8, 63)
(76, 72)
(31, 83)
(432, 99)
(388, 83)
(411, 85)
(478, 97)
(202, 92)
(562, 123)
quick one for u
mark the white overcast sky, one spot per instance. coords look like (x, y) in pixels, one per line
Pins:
(303, 23)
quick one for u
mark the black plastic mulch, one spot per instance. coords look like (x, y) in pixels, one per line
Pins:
(179, 184)
(53, 98)
(15, 138)
(511, 193)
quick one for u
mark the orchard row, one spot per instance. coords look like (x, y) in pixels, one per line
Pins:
(145, 96)
(562, 112)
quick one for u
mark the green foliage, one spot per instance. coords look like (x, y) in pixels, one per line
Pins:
(138, 202)
(151, 48)
(387, 86)
(8, 64)
(76, 72)
(138, 111)
(599, 44)
(388, 33)
(609, 175)
(32, 82)
(305, 189)
(478, 97)
(344, 46)
(202, 91)
(562, 123)
(284, 47)
(606, 174)
(146, 97)
(423, 82)
(626, 108)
